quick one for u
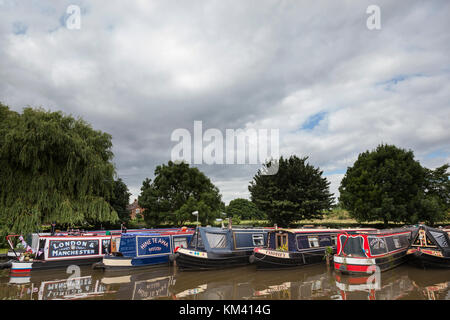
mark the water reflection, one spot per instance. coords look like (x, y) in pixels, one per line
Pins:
(313, 282)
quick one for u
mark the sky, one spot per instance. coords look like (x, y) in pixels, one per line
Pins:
(315, 71)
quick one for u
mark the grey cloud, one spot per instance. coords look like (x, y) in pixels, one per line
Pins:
(140, 70)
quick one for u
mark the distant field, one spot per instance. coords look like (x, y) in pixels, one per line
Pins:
(336, 218)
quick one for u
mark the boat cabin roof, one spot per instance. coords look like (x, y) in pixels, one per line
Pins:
(164, 233)
(439, 238)
(215, 239)
(324, 230)
(384, 232)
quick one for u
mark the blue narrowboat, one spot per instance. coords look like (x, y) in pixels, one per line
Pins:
(217, 248)
(145, 249)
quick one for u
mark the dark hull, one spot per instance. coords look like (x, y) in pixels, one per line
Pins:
(383, 263)
(423, 260)
(296, 260)
(213, 262)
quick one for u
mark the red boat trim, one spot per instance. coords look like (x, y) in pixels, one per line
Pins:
(353, 268)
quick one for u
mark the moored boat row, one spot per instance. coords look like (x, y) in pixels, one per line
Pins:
(353, 251)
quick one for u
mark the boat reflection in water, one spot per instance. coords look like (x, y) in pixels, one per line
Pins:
(151, 284)
(390, 285)
(64, 287)
(240, 283)
(434, 286)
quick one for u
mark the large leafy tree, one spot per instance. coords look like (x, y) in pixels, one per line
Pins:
(297, 191)
(176, 192)
(53, 168)
(244, 209)
(386, 184)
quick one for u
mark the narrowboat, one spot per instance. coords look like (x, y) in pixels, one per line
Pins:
(61, 251)
(145, 249)
(369, 252)
(288, 248)
(217, 248)
(430, 248)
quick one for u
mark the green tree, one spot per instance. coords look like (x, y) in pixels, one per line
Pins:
(384, 184)
(297, 191)
(244, 209)
(120, 200)
(176, 192)
(53, 168)
(435, 202)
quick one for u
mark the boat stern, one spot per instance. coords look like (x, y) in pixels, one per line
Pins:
(348, 265)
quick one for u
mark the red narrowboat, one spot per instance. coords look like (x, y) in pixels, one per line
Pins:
(368, 252)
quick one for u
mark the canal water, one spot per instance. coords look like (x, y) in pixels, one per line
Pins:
(244, 283)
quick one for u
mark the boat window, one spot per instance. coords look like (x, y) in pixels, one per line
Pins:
(397, 243)
(404, 240)
(180, 242)
(440, 239)
(354, 247)
(216, 240)
(334, 240)
(313, 241)
(282, 241)
(196, 241)
(390, 243)
(258, 239)
(325, 241)
(377, 245)
(302, 242)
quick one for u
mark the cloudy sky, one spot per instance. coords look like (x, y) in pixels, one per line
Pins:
(311, 69)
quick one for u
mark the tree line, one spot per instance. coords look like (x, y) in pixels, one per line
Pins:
(56, 168)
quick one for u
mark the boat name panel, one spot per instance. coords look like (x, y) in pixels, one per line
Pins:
(273, 253)
(152, 245)
(71, 248)
(193, 253)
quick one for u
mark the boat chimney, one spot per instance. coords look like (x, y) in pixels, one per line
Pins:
(229, 223)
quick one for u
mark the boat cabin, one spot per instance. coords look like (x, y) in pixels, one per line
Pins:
(370, 251)
(430, 247)
(146, 244)
(299, 239)
(221, 240)
(373, 244)
(434, 239)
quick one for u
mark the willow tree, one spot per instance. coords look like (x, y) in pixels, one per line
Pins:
(53, 168)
